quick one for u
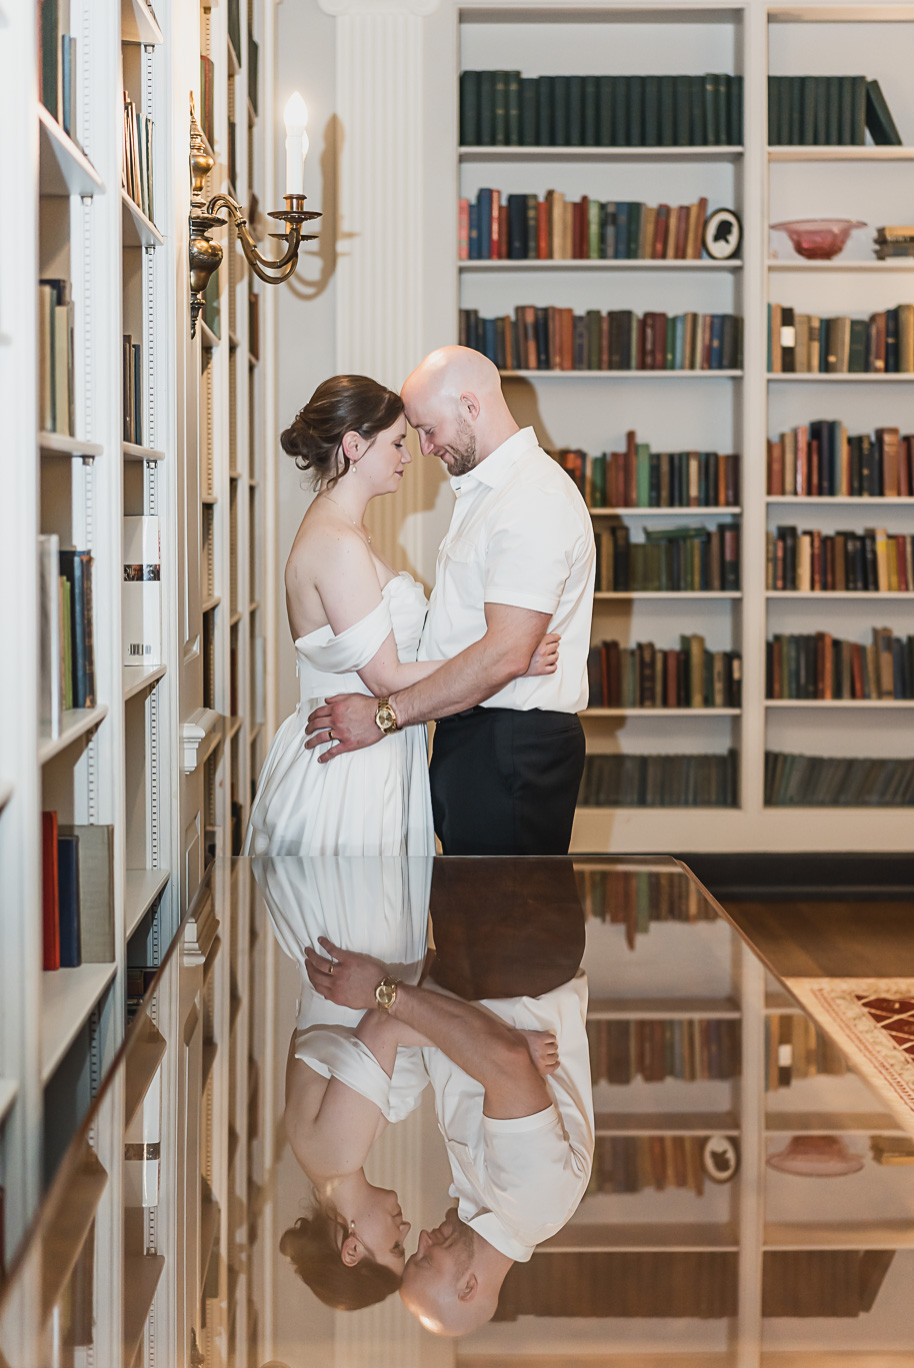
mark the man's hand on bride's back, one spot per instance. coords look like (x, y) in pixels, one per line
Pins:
(345, 722)
(545, 659)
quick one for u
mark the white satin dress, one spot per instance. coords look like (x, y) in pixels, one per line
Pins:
(374, 801)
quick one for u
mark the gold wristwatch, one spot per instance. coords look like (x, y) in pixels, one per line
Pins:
(385, 717)
(386, 993)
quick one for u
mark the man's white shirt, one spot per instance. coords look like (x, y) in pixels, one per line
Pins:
(520, 535)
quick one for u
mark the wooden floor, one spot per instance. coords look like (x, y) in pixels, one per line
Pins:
(825, 939)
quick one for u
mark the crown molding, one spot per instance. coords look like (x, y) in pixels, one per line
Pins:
(338, 8)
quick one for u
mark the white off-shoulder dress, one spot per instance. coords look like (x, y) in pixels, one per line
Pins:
(374, 801)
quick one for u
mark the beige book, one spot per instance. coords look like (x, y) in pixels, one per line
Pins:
(776, 339)
(801, 363)
(696, 671)
(789, 439)
(804, 562)
(906, 337)
(815, 336)
(567, 230)
(672, 229)
(882, 557)
(648, 229)
(61, 366)
(96, 891)
(892, 564)
(46, 297)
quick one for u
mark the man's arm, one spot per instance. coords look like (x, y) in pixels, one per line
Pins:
(480, 1044)
(502, 654)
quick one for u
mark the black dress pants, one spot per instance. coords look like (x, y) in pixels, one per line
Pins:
(505, 782)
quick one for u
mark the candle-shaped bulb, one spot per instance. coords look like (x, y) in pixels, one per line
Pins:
(296, 117)
(296, 114)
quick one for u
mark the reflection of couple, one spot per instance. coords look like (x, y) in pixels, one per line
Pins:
(514, 576)
(510, 1077)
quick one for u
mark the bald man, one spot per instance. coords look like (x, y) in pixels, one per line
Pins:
(518, 560)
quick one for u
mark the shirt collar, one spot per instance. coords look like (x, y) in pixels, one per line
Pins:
(494, 469)
(487, 1224)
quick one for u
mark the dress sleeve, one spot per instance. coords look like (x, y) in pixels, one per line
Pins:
(353, 649)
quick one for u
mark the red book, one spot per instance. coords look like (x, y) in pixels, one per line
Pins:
(777, 663)
(775, 468)
(828, 680)
(495, 227)
(503, 232)
(671, 674)
(649, 349)
(857, 669)
(617, 467)
(567, 331)
(660, 229)
(552, 332)
(463, 229)
(604, 342)
(50, 907)
(814, 467)
(660, 341)
(902, 565)
(705, 341)
(817, 560)
(639, 346)
(581, 227)
(682, 228)
(702, 214)
(802, 475)
(542, 230)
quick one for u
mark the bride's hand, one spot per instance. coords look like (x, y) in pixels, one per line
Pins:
(546, 657)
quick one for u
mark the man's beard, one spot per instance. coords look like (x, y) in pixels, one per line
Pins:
(464, 459)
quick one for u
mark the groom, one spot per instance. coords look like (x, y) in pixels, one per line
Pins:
(518, 560)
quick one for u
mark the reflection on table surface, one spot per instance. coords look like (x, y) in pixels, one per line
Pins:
(594, 1126)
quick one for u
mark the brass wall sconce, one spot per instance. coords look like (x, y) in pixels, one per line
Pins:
(206, 255)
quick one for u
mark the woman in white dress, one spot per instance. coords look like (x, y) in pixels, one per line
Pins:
(356, 624)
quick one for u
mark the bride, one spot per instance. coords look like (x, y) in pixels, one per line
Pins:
(356, 624)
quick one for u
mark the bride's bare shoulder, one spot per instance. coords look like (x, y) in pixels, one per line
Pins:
(324, 543)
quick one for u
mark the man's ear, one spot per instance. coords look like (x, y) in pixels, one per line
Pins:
(467, 1292)
(351, 1251)
(471, 404)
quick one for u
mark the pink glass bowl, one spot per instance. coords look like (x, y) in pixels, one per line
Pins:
(819, 239)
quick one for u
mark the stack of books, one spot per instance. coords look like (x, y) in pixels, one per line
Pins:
(132, 361)
(55, 358)
(897, 240)
(846, 562)
(803, 344)
(559, 339)
(136, 165)
(817, 665)
(57, 67)
(645, 677)
(640, 478)
(669, 560)
(634, 898)
(794, 1050)
(77, 900)
(837, 781)
(523, 227)
(819, 459)
(689, 1049)
(632, 1163)
(506, 109)
(660, 781)
(67, 642)
(835, 111)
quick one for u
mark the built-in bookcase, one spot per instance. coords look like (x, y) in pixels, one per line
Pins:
(726, 412)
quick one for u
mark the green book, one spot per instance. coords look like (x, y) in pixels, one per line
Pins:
(796, 110)
(846, 110)
(575, 111)
(635, 210)
(636, 111)
(879, 120)
(723, 109)
(598, 482)
(858, 123)
(605, 111)
(513, 89)
(670, 342)
(620, 112)
(697, 111)
(712, 134)
(857, 354)
(807, 111)
(774, 109)
(651, 111)
(834, 110)
(683, 103)
(821, 88)
(469, 108)
(643, 472)
(545, 107)
(528, 111)
(500, 115)
(736, 110)
(591, 117)
(560, 112)
(788, 94)
(486, 108)
(49, 34)
(667, 111)
(594, 327)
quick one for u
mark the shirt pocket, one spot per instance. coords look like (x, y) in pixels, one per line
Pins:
(460, 551)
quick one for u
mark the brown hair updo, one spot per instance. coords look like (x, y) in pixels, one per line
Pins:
(310, 1244)
(344, 403)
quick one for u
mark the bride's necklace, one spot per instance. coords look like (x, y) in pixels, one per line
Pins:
(360, 527)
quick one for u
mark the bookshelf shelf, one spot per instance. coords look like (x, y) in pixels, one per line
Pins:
(827, 154)
(142, 1273)
(667, 1008)
(211, 603)
(600, 154)
(602, 264)
(207, 336)
(233, 340)
(899, 266)
(865, 594)
(841, 14)
(679, 511)
(842, 377)
(56, 444)
(9, 1091)
(253, 605)
(234, 727)
(831, 1123)
(132, 452)
(840, 1235)
(588, 1237)
(253, 360)
(630, 375)
(209, 499)
(138, 678)
(147, 1050)
(64, 168)
(864, 704)
(252, 113)
(234, 65)
(666, 1123)
(840, 500)
(139, 231)
(67, 999)
(75, 722)
(605, 594)
(653, 713)
(142, 888)
(255, 731)
(210, 1050)
(236, 618)
(139, 25)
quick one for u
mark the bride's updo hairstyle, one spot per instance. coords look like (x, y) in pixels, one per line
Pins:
(310, 1245)
(345, 403)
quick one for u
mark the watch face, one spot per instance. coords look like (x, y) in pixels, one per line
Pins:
(387, 719)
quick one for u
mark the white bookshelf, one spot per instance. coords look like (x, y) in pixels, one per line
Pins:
(592, 410)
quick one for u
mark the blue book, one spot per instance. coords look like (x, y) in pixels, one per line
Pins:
(474, 231)
(68, 901)
(679, 346)
(489, 338)
(484, 200)
(621, 230)
(717, 338)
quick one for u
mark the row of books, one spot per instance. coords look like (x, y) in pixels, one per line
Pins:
(669, 560)
(67, 646)
(254, 325)
(873, 561)
(688, 1048)
(640, 478)
(700, 1284)
(660, 781)
(795, 1050)
(644, 676)
(132, 379)
(136, 166)
(507, 109)
(634, 898)
(523, 227)
(804, 344)
(818, 665)
(837, 781)
(207, 99)
(77, 894)
(57, 67)
(632, 1163)
(56, 393)
(894, 240)
(831, 111)
(559, 339)
(234, 27)
(820, 459)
